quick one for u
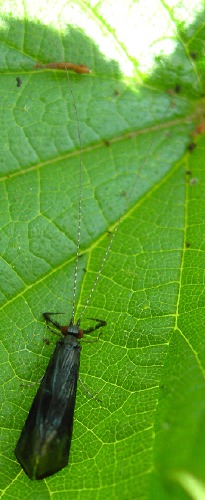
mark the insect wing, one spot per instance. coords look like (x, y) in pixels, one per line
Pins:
(44, 444)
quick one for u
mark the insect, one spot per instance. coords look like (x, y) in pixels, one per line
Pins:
(44, 444)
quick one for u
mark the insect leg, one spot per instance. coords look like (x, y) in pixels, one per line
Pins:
(48, 319)
(100, 322)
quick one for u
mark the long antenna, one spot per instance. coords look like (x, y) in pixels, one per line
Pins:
(79, 200)
(121, 217)
(144, 163)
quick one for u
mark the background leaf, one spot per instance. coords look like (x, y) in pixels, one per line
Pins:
(147, 437)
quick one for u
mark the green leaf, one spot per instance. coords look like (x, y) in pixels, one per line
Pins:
(136, 112)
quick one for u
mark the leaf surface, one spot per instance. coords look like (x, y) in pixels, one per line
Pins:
(137, 111)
